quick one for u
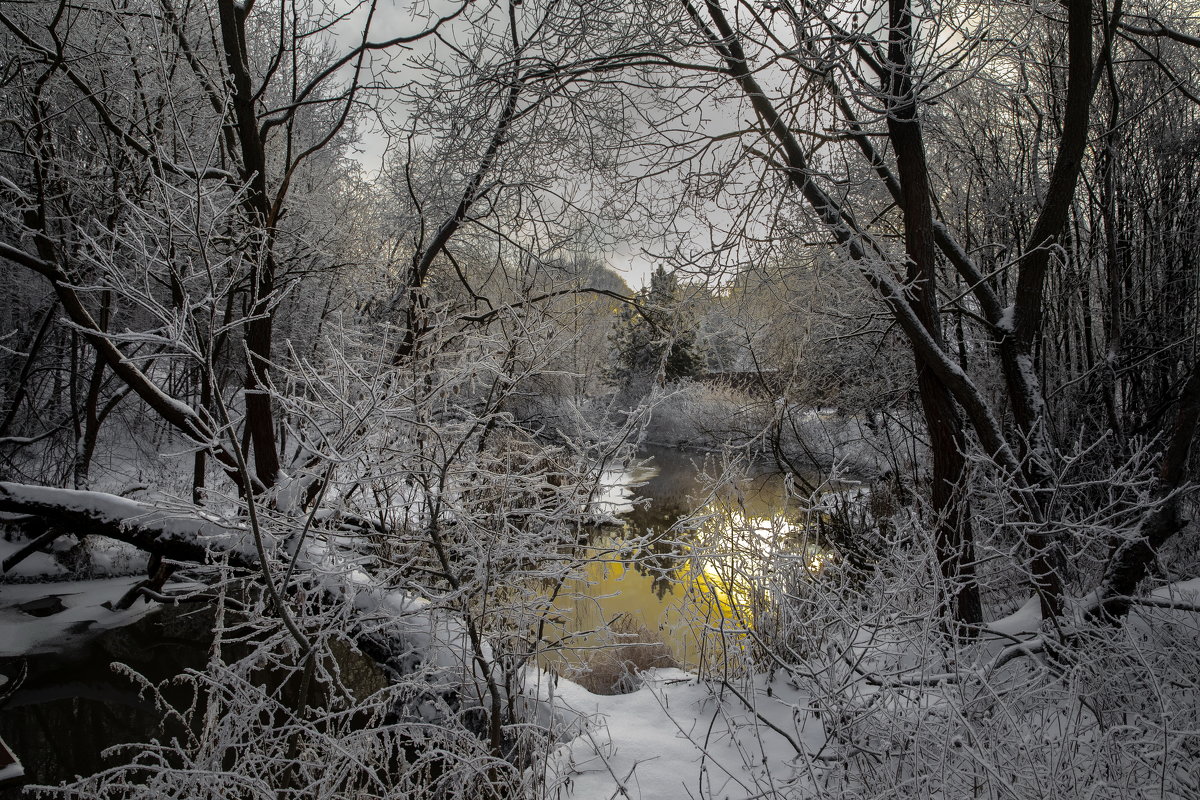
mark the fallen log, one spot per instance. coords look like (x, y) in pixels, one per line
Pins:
(395, 630)
(183, 534)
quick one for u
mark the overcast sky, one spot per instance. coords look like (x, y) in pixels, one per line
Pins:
(395, 18)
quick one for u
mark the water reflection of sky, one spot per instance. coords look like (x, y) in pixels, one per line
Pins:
(687, 559)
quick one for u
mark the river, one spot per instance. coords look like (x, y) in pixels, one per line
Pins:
(700, 571)
(692, 567)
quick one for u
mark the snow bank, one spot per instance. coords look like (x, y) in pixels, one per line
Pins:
(677, 737)
(46, 626)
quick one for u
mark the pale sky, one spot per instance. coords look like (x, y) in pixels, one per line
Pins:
(392, 19)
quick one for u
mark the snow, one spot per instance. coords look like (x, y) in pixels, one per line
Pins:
(1025, 621)
(37, 565)
(1145, 618)
(110, 558)
(676, 736)
(1030, 383)
(288, 491)
(83, 615)
(1184, 592)
(186, 525)
(428, 637)
(162, 398)
(615, 492)
(1007, 321)
(680, 737)
(11, 772)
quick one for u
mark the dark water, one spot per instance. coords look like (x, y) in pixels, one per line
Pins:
(73, 705)
(692, 572)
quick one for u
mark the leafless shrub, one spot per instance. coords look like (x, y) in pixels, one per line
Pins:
(614, 668)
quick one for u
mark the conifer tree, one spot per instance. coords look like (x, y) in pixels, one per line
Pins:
(656, 339)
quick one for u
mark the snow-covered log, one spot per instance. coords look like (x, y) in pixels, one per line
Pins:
(397, 631)
(178, 534)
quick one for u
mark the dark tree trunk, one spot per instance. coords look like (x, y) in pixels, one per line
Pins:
(260, 418)
(91, 407)
(953, 536)
(21, 388)
(1131, 559)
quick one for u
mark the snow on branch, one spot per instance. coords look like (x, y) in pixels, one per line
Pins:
(180, 535)
(396, 630)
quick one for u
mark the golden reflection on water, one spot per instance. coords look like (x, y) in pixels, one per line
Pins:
(698, 589)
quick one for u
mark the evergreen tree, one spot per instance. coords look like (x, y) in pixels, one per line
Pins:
(655, 341)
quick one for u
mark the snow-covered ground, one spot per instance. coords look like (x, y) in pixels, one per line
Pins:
(678, 737)
(682, 737)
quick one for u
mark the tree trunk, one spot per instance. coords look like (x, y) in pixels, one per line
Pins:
(1131, 560)
(260, 418)
(953, 536)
